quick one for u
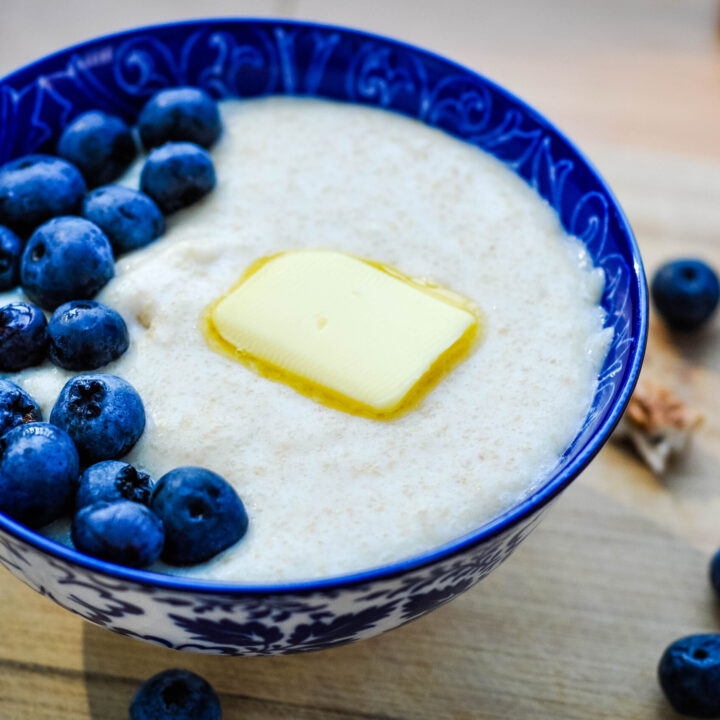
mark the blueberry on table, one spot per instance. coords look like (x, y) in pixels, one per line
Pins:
(175, 695)
(685, 293)
(201, 512)
(35, 188)
(129, 218)
(38, 470)
(689, 674)
(180, 114)
(177, 175)
(23, 336)
(101, 146)
(17, 407)
(67, 258)
(123, 532)
(103, 414)
(110, 481)
(11, 247)
(85, 335)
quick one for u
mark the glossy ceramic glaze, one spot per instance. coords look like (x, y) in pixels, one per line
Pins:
(247, 58)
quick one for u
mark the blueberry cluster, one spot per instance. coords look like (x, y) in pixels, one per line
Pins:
(120, 514)
(60, 242)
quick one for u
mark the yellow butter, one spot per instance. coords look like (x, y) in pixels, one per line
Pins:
(353, 334)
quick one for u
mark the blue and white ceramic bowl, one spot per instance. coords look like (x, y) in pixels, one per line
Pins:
(247, 58)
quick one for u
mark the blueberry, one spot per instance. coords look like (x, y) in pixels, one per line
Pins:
(68, 258)
(110, 481)
(101, 146)
(181, 114)
(103, 414)
(201, 512)
(35, 188)
(689, 674)
(85, 335)
(122, 532)
(129, 218)
(38, 471)
(176, 175)
(175, 695)
(11, 247)
(685, 293)
(23, 336)
(16, 407)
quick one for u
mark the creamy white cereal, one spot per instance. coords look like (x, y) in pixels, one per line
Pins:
(327, 492)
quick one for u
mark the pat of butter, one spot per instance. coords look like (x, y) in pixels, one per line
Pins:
(353, 334)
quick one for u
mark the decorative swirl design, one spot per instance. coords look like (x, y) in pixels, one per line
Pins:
(228, 65)
(589, 222)
(461, 105)
(96, 93)
(389, 77)
(243, 59)
(323, 45)
(511, 141)
(143, 65)
(548, 176)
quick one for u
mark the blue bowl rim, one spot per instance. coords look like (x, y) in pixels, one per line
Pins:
(529, 506)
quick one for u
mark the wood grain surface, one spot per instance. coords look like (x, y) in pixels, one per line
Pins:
(572, 626)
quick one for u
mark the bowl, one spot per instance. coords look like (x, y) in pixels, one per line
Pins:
(248, 58)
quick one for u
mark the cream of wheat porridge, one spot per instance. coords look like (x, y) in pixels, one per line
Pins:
(328, 492)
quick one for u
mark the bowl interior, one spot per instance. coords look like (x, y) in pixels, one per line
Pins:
(248, 58)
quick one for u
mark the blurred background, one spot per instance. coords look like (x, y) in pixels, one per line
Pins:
(573, 625)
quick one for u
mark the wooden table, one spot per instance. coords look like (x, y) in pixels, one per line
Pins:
(572, 626)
